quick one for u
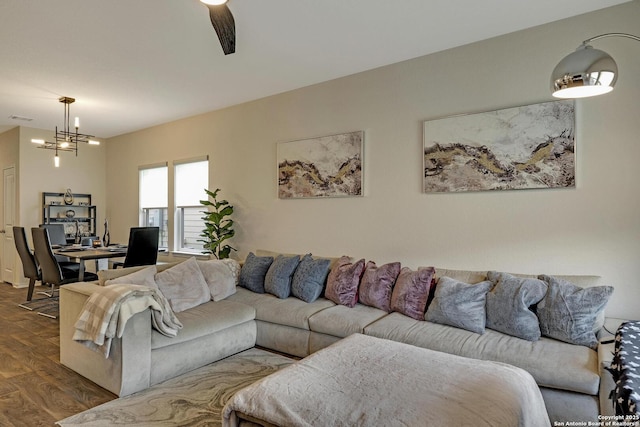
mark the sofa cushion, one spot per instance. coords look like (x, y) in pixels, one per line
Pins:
(568, 312)
(183, 285)
(342, 321)
(552, 363)
(205, 319)
(253, 272)
(289, 312)
(144, 277)
(411, 292)
(221, 275)
(376, 285)
(509, 302)
(459, 304)
(277, 281)
(104, 275)
(309, 278)
(343, 282)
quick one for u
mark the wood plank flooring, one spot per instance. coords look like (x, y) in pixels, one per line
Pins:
(35, 389)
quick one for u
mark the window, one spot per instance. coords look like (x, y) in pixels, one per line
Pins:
(191, 179)
(154, 185)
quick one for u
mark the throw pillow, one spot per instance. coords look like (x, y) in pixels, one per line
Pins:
(568, 312)
(144, 277)
(221, 277)
(377, 283)
(184, 285)
(277, 281)
(411, 292)
(309, 278)
(253, 271)
(509, 302)
(459, 304)
(343, 281)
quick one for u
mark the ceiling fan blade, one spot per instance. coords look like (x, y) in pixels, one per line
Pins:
(225, 27)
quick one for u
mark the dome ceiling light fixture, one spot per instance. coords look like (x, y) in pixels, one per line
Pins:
(224, 24)
(66, 140)
(587, 71)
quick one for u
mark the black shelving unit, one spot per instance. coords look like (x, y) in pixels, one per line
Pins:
(81, 212)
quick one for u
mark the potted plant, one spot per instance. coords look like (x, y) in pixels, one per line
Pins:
(218, 225)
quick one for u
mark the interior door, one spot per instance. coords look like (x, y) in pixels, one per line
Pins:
(8, 246)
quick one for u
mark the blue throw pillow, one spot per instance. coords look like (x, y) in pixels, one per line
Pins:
(568, 312)
(278, 279)
(253, 272)
(509, 305)
(459, 304)
(309, 278)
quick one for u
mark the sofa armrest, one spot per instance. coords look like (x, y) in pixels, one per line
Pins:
(606, 348)
(128, 367)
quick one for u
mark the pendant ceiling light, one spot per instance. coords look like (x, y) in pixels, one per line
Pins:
(587, 71)
(66, 140)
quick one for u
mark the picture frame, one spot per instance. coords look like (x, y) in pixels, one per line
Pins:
(321, 167)
(526, 147)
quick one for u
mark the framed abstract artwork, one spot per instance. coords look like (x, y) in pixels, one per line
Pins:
(328, 166)
(526, 147)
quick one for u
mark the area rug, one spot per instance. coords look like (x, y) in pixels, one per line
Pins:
(193, 399)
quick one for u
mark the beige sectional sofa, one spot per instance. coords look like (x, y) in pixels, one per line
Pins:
(571, 377)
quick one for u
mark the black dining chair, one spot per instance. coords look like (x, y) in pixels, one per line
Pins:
(58, 238)
(52, 273)
(29, 266)
(142, 248)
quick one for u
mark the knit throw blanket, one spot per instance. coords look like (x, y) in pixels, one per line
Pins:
(106, 311)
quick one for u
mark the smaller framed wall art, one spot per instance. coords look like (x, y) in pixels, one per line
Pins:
(526, 147)
(328, 166)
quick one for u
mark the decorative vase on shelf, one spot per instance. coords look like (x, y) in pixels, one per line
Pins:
(68, 197)
(106, 238)
(77, 239)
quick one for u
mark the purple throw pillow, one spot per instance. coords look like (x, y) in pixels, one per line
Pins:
(411, 291)
(343, 281)
(377, 283)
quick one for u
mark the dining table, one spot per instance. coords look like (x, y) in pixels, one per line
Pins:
(81, 254)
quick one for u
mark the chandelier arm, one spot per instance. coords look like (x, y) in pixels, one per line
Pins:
(602, 36)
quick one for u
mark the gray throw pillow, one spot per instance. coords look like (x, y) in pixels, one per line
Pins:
(459, 304)
(277, 281)
(509, 302)
(253, 271)
(309, 278)
(568, 312)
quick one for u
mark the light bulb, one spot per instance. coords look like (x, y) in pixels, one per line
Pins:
(56, 161)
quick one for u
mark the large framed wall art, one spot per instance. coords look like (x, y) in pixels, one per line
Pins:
(328, 166)
(526, 147)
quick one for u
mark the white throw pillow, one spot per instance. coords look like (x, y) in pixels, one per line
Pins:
(221, 277)
(183, 285)
(144, 277)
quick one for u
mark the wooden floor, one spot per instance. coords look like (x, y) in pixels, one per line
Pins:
(35, 389)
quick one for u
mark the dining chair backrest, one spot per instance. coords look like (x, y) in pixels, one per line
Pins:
(143, 246)
(29, 266)
(56, 234)
(51, 272)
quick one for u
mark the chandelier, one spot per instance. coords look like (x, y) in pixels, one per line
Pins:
(66, 140)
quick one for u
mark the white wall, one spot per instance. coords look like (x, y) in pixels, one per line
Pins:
(592, 229)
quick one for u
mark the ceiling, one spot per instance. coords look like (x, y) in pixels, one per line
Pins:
(132, 64)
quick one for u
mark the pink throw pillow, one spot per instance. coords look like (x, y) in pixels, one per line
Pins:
(376, 286)
(343, 281)
(411, 291)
